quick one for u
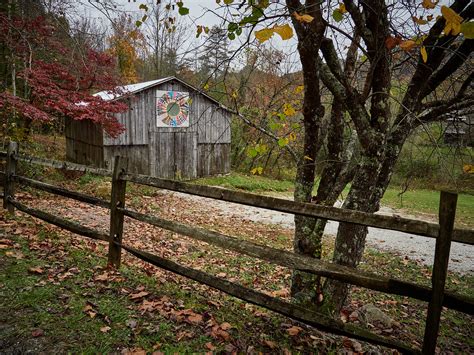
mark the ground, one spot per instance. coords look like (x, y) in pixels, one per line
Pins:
(56, 287)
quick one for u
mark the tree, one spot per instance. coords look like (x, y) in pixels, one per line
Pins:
(50, 76)
(125, 44)
(387, 41)
(165, 41)
(214, 56)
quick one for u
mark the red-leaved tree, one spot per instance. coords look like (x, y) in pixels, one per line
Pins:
(51, 76)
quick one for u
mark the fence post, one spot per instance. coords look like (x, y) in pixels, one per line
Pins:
(117, 199)
(10, 170)
(447, 212)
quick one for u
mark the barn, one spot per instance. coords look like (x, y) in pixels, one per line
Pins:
(172, 130)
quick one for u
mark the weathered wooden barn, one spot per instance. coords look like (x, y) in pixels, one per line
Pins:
(172, 130)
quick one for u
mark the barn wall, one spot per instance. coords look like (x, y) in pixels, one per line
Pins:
(173, 151)
(138, 157)
(176, 155)
(134, 121)
(194, 151)
(213, 159)
(84, 142)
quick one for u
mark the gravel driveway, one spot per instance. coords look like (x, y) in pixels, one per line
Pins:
(403, 244)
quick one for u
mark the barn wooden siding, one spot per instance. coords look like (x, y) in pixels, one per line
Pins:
(84, 142)
(201, 149)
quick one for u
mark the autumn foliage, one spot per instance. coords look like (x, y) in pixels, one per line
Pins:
(54, 77)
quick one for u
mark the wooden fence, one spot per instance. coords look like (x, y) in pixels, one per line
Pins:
(436, 296)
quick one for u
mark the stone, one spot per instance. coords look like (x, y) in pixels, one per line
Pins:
(369, 314)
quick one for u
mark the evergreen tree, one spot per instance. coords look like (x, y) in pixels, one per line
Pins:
(214, 58)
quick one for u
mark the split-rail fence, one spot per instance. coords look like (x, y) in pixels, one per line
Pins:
(436, 296)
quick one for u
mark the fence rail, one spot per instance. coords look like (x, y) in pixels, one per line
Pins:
(443, 232)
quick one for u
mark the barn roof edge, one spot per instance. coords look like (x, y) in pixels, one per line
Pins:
(108, 95)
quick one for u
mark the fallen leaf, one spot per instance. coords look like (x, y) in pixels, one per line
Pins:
(37, 333)
(225, 326)
(36, 270)
(195, 318)
(138, 295)
(294, 330)
(357, 346)
(102, 277)
(105, 329)
(210, 346)
(15, 254)
(270, 344)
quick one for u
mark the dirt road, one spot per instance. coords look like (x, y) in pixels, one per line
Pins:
(414, 247)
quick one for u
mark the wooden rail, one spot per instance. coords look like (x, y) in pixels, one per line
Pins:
(304, 263)
(443, 232)
(405, 225)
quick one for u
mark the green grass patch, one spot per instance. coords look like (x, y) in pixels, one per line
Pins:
(251, 183)
(427, 201)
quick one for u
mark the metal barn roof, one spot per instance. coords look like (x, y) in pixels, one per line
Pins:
(120, 91)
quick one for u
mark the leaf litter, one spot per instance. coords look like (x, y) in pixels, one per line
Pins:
(270, 279)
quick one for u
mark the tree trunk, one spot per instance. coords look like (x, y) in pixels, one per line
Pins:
(350, 239)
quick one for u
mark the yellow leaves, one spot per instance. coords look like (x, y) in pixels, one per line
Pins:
(303, 18)
(467, 29)
(424, 54)
(299, 89)
(428, 4)
(264, 35)
(258, 170)
(284, 31)
(342, 8)
(453, 21)
(419, 21)
(407, 45)
(468, 169)
(289, 110)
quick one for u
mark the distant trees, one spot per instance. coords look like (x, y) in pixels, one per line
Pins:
(165, 39)
(214, 56)
(125, 44)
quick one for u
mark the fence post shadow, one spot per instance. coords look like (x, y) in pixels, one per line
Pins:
(117, 202)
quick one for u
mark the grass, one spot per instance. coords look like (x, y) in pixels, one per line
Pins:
(419, 201)
(252, 183)
(57, 306)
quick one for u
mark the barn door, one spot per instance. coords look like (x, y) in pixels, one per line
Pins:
(175, 155)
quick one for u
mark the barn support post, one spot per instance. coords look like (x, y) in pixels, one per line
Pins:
(117, 199)
(447, 212)
(10, 170)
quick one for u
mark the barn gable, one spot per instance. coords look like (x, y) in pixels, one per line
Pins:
(200, 148)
